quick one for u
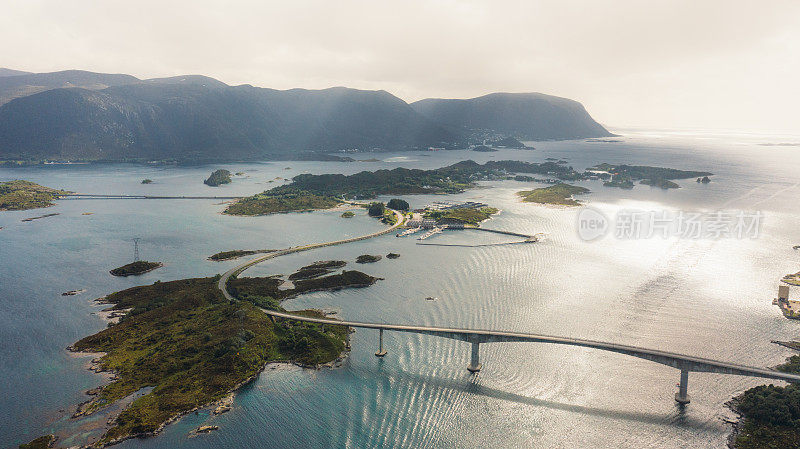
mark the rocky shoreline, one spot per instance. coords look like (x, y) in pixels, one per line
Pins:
(220, 406)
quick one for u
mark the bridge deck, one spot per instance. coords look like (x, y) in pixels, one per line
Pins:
(685, 363)
(680, 361)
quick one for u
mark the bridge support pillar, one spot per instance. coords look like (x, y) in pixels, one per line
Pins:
(682, 396)
(474, 364)
(381, 352)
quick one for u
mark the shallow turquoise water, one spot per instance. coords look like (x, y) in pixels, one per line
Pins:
(708, 298)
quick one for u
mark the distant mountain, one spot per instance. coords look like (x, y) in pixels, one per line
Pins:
(24, 84)
(83, 115)
(526, 116)
(11, 72)
(207, 120)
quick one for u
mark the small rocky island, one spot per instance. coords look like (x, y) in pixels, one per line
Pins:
(136, 268)
(317, 269)
(236, 253)
(624, 176)
(367, 258)
(704, 180)
(42, 442)
(558, 194)
(25, 195)
(218, 178)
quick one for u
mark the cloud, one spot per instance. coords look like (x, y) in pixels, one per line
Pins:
(723, 64)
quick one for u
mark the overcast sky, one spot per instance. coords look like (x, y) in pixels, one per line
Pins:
(730, 64)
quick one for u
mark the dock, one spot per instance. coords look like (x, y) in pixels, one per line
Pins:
(430, 233)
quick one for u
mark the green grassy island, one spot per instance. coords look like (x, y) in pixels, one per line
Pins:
(194, 347)
(218, 178)
(467, 215)
(770, 414)
(560, 194)
(147, 181)
(24, 195)
(267, 203)
(348, 214)
(136, 268)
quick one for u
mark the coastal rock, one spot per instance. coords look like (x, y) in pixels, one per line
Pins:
(206, 429)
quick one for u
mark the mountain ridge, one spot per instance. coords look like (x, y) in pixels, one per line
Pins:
(527, 115)
(80, 115)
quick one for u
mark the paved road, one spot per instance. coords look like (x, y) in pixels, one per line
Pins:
(223, 281)
(685, 363)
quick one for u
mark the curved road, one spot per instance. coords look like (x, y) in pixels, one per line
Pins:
(223, 281)
(685, 363)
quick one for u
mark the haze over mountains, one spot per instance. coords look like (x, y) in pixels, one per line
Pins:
(526, 116)
(74, 114)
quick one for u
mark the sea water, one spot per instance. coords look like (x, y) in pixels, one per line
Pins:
(704, 297)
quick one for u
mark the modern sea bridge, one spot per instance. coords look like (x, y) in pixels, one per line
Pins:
(92, 196)
(475, 337)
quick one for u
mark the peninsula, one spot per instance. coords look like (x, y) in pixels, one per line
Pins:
(194, 347)
(24, 195)
(769, 414)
